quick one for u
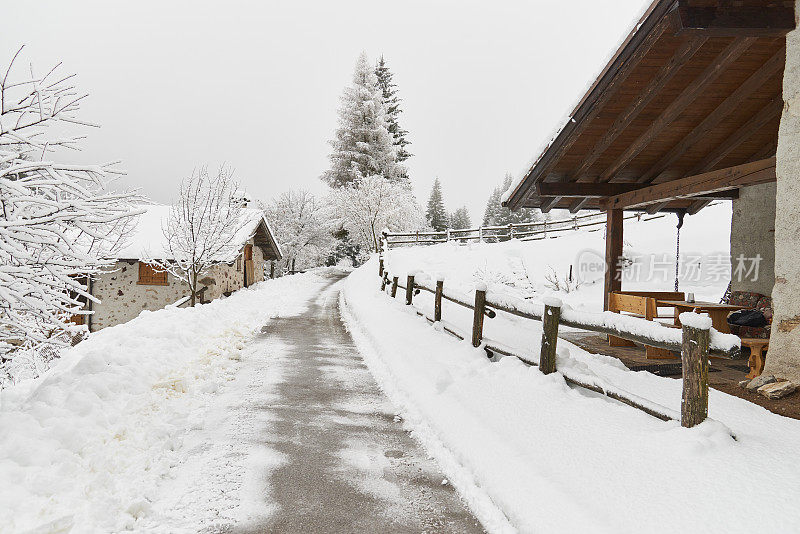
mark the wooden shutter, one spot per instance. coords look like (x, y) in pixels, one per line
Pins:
(148, 276)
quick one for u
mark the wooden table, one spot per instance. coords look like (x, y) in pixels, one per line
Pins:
(718, 312)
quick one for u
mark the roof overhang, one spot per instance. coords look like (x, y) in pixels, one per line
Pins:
(695, 88)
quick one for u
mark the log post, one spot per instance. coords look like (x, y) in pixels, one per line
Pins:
(272, 269)
(477, 317)
(409, 289)
(547, 356)
(437, 302)
(480, 234)
(384, 281)
(380, 267)
(694, 360)
(394, 287)
(448, 235)
(510, 231)
(614, 236)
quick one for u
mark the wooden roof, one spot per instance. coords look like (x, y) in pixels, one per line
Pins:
(693, 90)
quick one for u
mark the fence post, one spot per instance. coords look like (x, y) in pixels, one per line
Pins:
(477, 317)
(409, 289)
(272, 269)
(437, 302)
(384, 280)
(448, 235)
(510, 231)
(480, 234)
(394, 287)
(694, 360)
(547, 356)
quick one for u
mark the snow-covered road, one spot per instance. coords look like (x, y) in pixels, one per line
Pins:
(347, 463)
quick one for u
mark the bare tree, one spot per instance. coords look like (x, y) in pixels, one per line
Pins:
(298, 219)
(59, 223)
(368, 205)
(202, 226)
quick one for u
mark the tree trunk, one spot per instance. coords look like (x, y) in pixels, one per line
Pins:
(193, 289)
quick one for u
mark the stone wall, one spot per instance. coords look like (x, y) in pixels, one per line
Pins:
(753, 233)
(122, 298)
(783, 357)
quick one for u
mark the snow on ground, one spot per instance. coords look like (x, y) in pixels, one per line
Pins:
(146, 425)
(530, 453)
(705, 262)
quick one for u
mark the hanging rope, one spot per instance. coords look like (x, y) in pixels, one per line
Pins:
(680, 215)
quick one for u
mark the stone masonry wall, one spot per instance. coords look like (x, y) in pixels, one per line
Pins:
(783, 357)
(753, 233)
(122, 298)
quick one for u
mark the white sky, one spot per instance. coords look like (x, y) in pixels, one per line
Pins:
(256, 84)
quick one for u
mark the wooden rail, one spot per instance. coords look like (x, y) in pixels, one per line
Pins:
(521, 231)
(695, 345)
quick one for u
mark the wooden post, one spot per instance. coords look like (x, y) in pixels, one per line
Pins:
(480, 234)
(613, 276)
(272, 269)
(437, 301)
(510, 231)
(409, 289)
(547, 356)
(477, 317)
(448, 235)
(694, 360)
(394, 287)
(384, 280)
(380, 267)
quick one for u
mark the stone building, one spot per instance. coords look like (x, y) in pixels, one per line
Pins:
(132, 285)
(700, 102)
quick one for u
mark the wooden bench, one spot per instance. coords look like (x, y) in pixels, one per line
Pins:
(642, 304)
(758, 347)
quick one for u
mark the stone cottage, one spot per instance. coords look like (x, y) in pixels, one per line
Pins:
(134, 285)
(700, 102)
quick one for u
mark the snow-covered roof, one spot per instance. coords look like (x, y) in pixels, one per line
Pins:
(146, 237)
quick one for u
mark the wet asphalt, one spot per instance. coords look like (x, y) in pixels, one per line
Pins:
(350, 466)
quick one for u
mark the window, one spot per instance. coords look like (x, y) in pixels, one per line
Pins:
(148, 276)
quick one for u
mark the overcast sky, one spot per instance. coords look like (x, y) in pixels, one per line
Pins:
(257, 84)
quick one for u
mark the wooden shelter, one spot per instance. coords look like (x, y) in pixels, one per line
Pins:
(687, 111)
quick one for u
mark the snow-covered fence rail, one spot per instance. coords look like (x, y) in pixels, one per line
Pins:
(695, 341)
(521, 231)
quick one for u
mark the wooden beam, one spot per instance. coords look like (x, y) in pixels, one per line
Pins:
(659, 18)
(681, 102)
(652, 209)
(771, 67)
(578, 204)
(613, 274)
(750, 126)
(548, 203)
(584, 189)
(697, 205)
(735, 21)
(643, 97)
(756, 172)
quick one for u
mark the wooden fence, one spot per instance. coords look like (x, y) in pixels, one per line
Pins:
(695, 346)
(523, 231)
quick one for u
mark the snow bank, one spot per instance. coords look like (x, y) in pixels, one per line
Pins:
(88, 444)
(530, 453)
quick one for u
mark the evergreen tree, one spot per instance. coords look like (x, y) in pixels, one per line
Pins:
(460, 219)
(436, 214)
(393, 111)
(497, 215)
(363, 145)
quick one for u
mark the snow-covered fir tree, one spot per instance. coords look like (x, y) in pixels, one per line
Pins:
(393, 111)
(497, 215)
(460, 219)
(363, 145)
(436, 214)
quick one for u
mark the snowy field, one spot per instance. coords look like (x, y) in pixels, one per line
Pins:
(705, 262)
(145, 425)
(530, 453)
